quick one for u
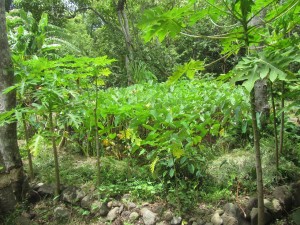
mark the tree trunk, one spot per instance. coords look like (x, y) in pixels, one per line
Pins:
(275, 127)
(12, 178)
(29, 156)
(282, 119)
(123, 20)
(55, 155)
(259, 174)
(261, 102)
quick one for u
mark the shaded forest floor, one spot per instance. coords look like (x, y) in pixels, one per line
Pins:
(230, 175)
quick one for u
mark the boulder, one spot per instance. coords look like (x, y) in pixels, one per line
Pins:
(103, 209)
(231, 210)
(216, 218)
(133, 216)
(284, 195)
(125, 197)
(87, 201)
(61, 214)
(21, 220)
(228, 219)
(252, 203)
(131, 205)
(125, 214)
(296, 193)
(113, 214)
(167, 215)
(254, 216)
(113, 203)
(162, 223)
(72, 195)
(149, 217)
(46, 190)
(273, 206)
(176, 220)
(118, 221)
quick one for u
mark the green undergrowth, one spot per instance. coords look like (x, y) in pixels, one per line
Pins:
(184, 143)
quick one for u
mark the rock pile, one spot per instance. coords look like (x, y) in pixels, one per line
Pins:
(282, 200)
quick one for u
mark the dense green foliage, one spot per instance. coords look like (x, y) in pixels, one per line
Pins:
(159, 132)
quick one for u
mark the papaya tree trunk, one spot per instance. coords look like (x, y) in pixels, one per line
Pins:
(262, 102)
(281, 136)
(29, 156)
(12, 179)
(259, 105)
(97, 137)
(55, 155)
(259, 175)
(275, 129)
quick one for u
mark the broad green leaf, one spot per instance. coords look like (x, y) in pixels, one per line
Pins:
(149, 127)
(189, 69)
(191, 168)
(177, 152)
(153, 164)
(36, 144)
(171, 172)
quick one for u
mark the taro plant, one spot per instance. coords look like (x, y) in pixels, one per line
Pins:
(169, 126)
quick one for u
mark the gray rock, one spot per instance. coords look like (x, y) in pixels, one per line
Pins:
(216, 219)
(229, 219)
(231, 210)
(254, 216)
(125, 214)
(72, 195)
(252, 203)
(113, 203)
(284, 195)
(196, 221)
(118, 221)
(87, 201)
(121, 208)
(95, 206)
(220, 211)
(167, 215)
(21, 220)
(61, 213)
(103, 210)
(176, 220)
(125, 198)
(162, 223)
(113, 214)
(200, 222)
(46, 190)
(149, 217)
(273, 206)
(131, 205)
(296, 193)
(133, 216)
